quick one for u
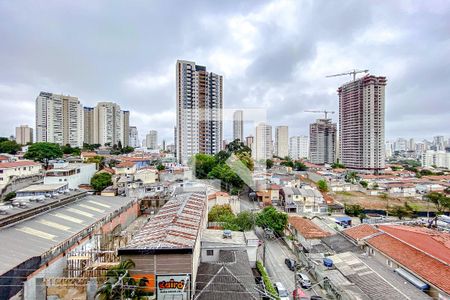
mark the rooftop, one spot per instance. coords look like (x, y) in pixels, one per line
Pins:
(42, 187)
(126, 164)
(360, 232)
(175, 226)
(15, 164)
(307, 228)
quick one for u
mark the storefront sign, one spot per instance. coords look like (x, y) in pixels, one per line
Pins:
(173, 286)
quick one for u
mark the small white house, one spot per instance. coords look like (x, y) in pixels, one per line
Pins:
(146, 175)
(73, 174)
(18, 169)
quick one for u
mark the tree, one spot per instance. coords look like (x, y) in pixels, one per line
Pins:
(9, 196)
(440, 201)
(237, 146)
(10, 147)
(160, 167)
(270, 217)
(245, 220)
(113, 289)
(119, 145)
(99, 160)
(228, 177)
(287, 163)
(269, 163)
(362, 216)
(204, 163)
(220, 212)
(364, 183)
(337, 165)
(43, 152)
(300, 166)
(353, 209)
(100, 181)
(127, 149)
(322, 186)
(351, 177)
(402, 211)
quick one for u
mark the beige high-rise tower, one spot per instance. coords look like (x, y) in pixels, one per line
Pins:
(24, 135)
(361, 124)
(281, 141)
(199, 104)
(59, 119)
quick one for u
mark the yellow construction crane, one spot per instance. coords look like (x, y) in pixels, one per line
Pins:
(353, 72)
(326, 112)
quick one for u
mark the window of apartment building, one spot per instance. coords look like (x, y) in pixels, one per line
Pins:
(209, 252)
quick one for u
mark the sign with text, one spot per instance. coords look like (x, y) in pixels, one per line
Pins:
(173, 287)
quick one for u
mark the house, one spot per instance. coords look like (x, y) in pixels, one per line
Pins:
(146, 175)
(230, 277)
(18, 169)
(72, 174)
(305, 232)
(109, 191)
(420, 255)
(222, 198)
(86, 155)
(268, 194)
(308, 200)
(125, 168)
(400, 189)
(213, 241)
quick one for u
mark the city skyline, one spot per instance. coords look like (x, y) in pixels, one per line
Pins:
(239, 48)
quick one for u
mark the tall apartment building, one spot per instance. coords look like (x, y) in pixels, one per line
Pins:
(151, 140)
(199, 102)
(389, 149)
(249, 141)
(59, 119)
(263, 143)
(438, 143)
(298, 147)
(433, 158)
(322, 142)
(282, 141)
(238, 125)
(125, 124)
(108, 124)
(88, 125)
(24, 135)
(361, 124)
(400, 145)
(133, 137)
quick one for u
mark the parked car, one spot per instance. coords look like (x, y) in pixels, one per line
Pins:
(290, 263)
(282, 291)
(316, 297)
(304, 281)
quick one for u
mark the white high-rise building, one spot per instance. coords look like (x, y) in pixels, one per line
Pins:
(432, 158)
(199, 103)
(322, 142)
(151, 140)
(263, 143)
(281, 141)
(59, 119)
(361, 124)
(298, 147)
(438, 143)
(238, 125)
(134, 137)
(389, 149)
(24, 135)
(108, 122)
(401, 145)
(411, 145)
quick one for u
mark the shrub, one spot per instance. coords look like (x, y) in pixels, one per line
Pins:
(267, 282)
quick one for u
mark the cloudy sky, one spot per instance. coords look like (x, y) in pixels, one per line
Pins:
(274, 55)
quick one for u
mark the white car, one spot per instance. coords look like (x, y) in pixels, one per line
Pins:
(282, 291)
(304, 281)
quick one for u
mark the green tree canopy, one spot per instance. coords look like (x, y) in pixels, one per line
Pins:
(300, 166)
(10, 147)
(219, 212)
(440, 201)
(204, 163)
(272, 218)
(322, 185)
(402, 211)
(43, 152)
(269, 163)
(160, 167)
(100, 181)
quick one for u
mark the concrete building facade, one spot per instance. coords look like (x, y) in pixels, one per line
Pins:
(322, 142)
(88, 125)
(125, 124)
(24, 135)
(282, 141)
(108, 123)
(59, 119)
(199, 103)
(362, 124)
(133, 137)
(263, 143)
(299, 147)
(151, 140)
(238, 125)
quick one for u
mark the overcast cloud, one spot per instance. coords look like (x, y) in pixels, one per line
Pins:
(272, 54)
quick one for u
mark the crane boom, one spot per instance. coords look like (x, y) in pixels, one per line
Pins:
(352, 72)
(326, 112)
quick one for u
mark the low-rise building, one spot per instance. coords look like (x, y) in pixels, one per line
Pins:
(72, 174)
(214, 241)
(420, 255)
(399, 189)
(41, 190)
(146, 175)
(222, 198)
(305, 232)
(125, 168)
(18, 169)
(168, 247)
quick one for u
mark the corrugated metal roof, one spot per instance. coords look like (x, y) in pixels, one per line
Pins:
(175, 226)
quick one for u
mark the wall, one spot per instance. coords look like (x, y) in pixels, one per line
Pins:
(87, 171)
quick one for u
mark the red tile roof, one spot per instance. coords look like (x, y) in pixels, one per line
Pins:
(88, 154)
(125, 164)
(418, 262)
(433, 242)
(360, 232)
(2, 157)
(307, 228)
(15, 164)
